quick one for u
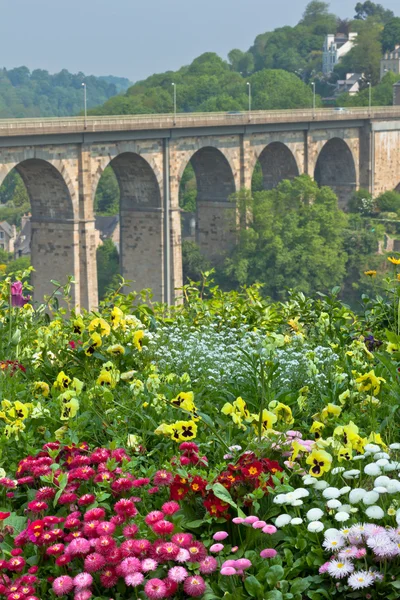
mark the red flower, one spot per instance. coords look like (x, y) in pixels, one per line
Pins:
(4, 515)
(198, 484)
(215, 506)
(253, 470)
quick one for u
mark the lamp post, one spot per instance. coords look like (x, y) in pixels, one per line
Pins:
(313, 104)
(85, 104)
(174, 86)
(369, 98)
(249, 86)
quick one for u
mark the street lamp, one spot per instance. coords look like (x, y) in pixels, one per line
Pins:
(313, 85)
(85, 103)
(369, 98)
(174, 86)
(249, 86)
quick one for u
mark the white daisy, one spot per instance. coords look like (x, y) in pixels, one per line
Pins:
(296, 521)
(360, 579)
(340, 568)
(351, 474)
(334, 543)
(370, 498)
(283, 520)
(357, 495)
(372, 469)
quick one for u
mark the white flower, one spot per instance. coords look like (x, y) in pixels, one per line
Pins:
(280, 499)
(380, 489)
(372, 448)
(331, 492)
(337, 470)
(383, 480)
(315, 527)
(360, 456)
(372, 469)
(391, 466)
(308, 480)
(382, 462)
(342, 516)
(332, 532)
(296, 503)
(301, 493)
(379, 455)
(345, 490)
(356, 495)
(395, 446)
(340, 568)
(296, 521)
(333, 503)
(398, 516)
(314, 514)
(375, 512)
(370, 498)
(393, 486)
(283, 520)
(351, 474)
(334, 542)
(347, 508)
(321, 485)
(360, 579)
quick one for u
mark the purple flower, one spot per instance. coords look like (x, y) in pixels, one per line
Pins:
(17, 298)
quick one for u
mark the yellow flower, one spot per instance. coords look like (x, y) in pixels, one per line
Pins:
(69, 409)
(153, 382)
(137, 387)
(282, 411)
(391, 511)
(320, 462)
(370, 381)
(343, 397)
(393, 260)
(370, 273)
(60, 433)
(392, 348)
(14, 429)
(183, 431)
(20, 411)
(78, 325)
(116, 350)
(138, 339)
(375, 438)
(41, 388)
(62, 382)
(100, 325)
(316, 428)
(127, 375)
(237, 411)
(267, 420)
(294, 324)
(116, 316)
(95, 342)
(184, 400)
(330, 410)
(344, 454)
(164, 429)
(104, 378)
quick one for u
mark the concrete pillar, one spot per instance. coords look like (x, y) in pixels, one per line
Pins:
(217, 228)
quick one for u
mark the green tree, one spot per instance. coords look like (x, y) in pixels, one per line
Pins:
(391, 34)
(301, 247)
(370, 9)
(193, 262)
(188, 190)
(107, 267)
(366, 54)
(317, 16)
(388, 202)
(107, 196)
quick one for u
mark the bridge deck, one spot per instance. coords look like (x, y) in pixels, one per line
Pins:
(40, 126)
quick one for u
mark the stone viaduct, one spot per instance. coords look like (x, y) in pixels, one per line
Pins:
(61, 162)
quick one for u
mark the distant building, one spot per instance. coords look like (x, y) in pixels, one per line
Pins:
(22, 246)
(391, 62)
(107, 227)
(335, 47)
(8, 234)
(396, 94)
(351, 84)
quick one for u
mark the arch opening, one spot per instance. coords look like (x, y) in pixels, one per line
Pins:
(208, 214)
(129, 225)
(275, 163)
(336, 168)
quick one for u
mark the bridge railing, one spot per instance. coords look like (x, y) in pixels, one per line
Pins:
(48, 125)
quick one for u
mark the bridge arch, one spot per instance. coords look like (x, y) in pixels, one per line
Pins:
(336, 168)
(140, 221)
(277, 162)
(216, 219)
(54, 244)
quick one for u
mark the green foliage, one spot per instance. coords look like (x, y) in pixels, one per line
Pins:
(193, 262)
(107, 197)
(366, 53)
(388, 202)
(391, 34)
(381, 94)
(13, 190)
(39, 94)
(257, 184)
(107, 267)
(188, 190)
(301, 247)
(361, 202)
(370, 9)
(19, 264)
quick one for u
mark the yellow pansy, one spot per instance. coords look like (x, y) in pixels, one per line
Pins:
(391, 348)
(343, 396)
(128, 375)
(237, 411)
(375, 438)
(116, 350)
(100, 325)
(282, 411)
(137, 387)
(320, 462)
(370, 381)
(95, 342)
(184, 400)
(69, 409)
(183, 431)
(78, 325)
(344, 453)
(268, 419)
(14, 429)
(116, 316)
(138, 339)
(316, 428)
(41, 388)
(19, 411)
(330, 410)
(62, 382)
(104, 378)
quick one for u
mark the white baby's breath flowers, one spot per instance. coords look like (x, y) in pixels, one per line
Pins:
(282, 520)
(372, 469)
(342, 516)
(375, 512)
(370, 498)
(315, 526)
(330, 493)
(314, 514)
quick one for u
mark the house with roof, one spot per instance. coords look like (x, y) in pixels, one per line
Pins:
(335, 47)
(8, 234)
(391, 62)
(22, 245)
(107, 228)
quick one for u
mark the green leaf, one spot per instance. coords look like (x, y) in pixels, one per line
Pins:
(299, 585)
(273, 595)
(194, 524)
(223, 494)
(253, 587)
(274, 574)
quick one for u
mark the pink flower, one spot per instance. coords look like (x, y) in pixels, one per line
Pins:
(153, 517)
(94, 562)
(168, 551)
(109, 577)
(182, 556)
(163, 477)
(78, 546)
(269, 529)
(17, 298)
(268, 553)
(80, 595)
(237, 520)
(259, 524)
(251, 519)
(83, 580)
(324, 568)
(86, 499)
(130, 565)
(229, 563)
(215, 548)
(208, 565)
(242, 563)
(182, 539)
(134, 579)
(194, 586)
(155, 588)
(149, 564)
(220, 535)
(105, 528)
(361, 552)
(228, 571)
(163, 527)
(170, 508)
(62, 585)
(178, 574)
(130, 530)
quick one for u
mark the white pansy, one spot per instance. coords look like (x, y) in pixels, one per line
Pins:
(395, 446)
(337, 470)
(372, 469)
(382, 462)
(296, 521)
(331, 492)
(342, 516)
(380, 489)
(333, 503)
(321, 485)
(379, 455)
(393, 486)
(315, 526)
(314, 514)
(351, 474)
(383, 481)
(357, 495)
(375, 512)
(345, 490)
(370, 498)
(283, 520)
(372, 448)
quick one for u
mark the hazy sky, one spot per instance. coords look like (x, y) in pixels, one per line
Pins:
(135, 38)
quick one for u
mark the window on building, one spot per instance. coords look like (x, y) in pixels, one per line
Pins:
(1, 235)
